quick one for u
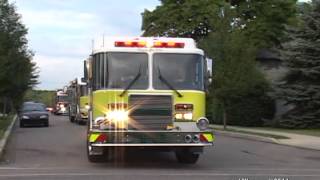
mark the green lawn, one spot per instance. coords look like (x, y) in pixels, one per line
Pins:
(4, 123)
(255, 133)
(310, 132)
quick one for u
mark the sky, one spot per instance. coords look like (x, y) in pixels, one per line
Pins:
(61, 32)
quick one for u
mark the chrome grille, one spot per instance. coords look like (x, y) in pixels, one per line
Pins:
(150, 112)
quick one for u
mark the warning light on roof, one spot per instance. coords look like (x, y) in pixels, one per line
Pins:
(130, 44)
(170, 44)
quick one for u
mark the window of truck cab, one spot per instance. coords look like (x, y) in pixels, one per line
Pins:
(116, 70)
(183, 71)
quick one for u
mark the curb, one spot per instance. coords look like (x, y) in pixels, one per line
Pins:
(246, 136)
(4, 140)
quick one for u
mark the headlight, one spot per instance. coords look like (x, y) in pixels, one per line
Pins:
(25, 117)
(116, 119)
(63, 109)
(117, 116)
(184, 116)
(178, 116)
(43, 117)
(61, 105)
(187, 116)
(203, 123)
(87, 107)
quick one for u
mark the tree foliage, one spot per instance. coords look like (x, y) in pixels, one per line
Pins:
(17, 72)
(43, 96)
(264, 21)
(239, 87)
(181, 18)
(301, 89)
(231, 32)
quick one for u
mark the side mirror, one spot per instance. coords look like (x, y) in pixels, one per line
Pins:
(89, 68)
(85, 70)
(209, 77)
(208, 73)
(83, 80)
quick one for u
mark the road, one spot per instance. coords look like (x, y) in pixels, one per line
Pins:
(59, 152)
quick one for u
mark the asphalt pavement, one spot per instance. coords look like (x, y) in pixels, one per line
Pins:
(59, 152)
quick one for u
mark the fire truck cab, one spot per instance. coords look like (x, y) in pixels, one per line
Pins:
(147, 92)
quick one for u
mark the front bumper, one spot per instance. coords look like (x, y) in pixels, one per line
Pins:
(149, 139)
(84, 118)
(62, 112)
(34, 121)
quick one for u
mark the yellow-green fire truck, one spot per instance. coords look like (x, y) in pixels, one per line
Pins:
(79, 104)
(83, 104)
(147, 92)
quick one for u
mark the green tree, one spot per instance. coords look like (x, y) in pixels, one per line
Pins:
(232, 34)
(17, 73)
(43, 96)
(264, 21)
(239, 87)
(181, 18)
(301, 88)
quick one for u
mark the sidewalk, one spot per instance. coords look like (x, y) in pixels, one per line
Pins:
(296, 140)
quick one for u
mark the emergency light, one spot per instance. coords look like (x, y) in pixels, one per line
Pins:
(130, 44)
(156, 44)
(170, 44)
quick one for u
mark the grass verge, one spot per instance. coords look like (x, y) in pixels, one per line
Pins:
(4, 123)
(253, 133)
(309, 132)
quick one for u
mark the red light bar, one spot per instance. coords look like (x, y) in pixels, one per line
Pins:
(170, 44)
(184, 107)
(130, 44)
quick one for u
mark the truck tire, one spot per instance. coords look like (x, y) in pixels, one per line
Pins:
(186, 157)
(82, 122)
(72, 119)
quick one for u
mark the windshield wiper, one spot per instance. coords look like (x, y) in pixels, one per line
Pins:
(168, 84)
(132, 82)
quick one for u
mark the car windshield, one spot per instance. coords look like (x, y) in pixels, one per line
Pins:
(33, 107)
(181, 71)
(117, 70)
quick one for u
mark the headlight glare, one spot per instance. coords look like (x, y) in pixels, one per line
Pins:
(117, 116)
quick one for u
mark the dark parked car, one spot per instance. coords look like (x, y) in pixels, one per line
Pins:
(33, 114)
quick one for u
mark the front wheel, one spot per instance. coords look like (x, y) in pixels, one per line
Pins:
(21, 124)
(186, 157)
(71, 118)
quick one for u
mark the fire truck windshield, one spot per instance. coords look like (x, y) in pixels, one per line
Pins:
(182, 71)
(117, 70)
